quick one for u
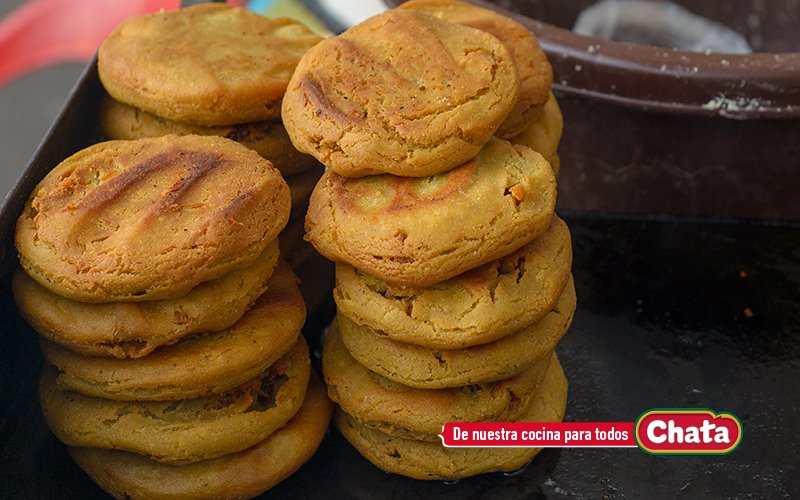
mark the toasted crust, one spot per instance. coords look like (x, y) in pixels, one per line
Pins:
(149, 219)
(402, 93)
(183, 431)
(199, 365)
(239, 475)
(427, 368)
(535, 73)
(267, 138)
(479, 306)
(418, 232)
(427, 460)
(420, 413)
(135, 329)
(207, 65)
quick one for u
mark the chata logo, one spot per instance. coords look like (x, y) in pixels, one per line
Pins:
(678, 431)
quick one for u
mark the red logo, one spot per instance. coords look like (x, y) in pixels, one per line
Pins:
(677, 431)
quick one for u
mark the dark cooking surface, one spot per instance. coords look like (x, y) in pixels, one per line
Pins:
(670, 314)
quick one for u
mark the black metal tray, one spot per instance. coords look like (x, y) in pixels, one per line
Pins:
(671, 313)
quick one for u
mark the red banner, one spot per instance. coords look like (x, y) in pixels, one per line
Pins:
(660, 431)
(539, 434)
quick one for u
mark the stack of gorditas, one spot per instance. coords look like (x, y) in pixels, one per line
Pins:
(152, 270)
(439, 130)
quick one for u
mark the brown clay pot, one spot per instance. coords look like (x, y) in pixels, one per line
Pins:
(653, 130)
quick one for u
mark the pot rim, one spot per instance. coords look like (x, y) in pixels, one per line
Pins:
(761, 85)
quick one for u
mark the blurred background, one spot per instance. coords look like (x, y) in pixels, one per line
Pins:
(28, 105)
(34, 85)
(680, 107)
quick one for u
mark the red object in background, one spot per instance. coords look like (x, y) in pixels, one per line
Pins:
(44, 32)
